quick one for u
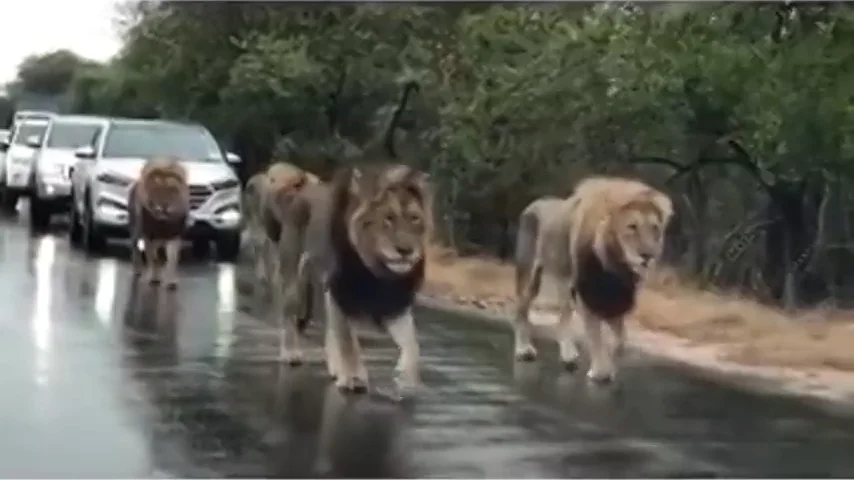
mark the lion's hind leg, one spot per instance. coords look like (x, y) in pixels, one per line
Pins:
(344, 355)
(528, 285)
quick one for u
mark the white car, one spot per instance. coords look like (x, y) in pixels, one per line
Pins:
(53, 162)
(103, 175)
(25, 139)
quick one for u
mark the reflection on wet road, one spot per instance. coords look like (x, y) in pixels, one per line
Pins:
(107, 378)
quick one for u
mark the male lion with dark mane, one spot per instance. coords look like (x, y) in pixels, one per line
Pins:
(158, 206)
(598, 244)
(362, 240)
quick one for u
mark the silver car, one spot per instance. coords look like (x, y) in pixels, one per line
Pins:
(53, 162)
(25, 140)
(103, 175)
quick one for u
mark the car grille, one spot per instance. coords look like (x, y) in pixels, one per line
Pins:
(199, 194)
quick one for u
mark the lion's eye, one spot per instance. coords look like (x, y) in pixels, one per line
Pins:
(415, 219)
(633, 227)
(388, 221)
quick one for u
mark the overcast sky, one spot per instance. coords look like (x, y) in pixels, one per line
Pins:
(40, 26)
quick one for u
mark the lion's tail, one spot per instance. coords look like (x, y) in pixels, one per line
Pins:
(526, 246)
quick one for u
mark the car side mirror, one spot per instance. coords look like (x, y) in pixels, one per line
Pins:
(85, 152)
(34, 141)
(233, 158)
(4, 146)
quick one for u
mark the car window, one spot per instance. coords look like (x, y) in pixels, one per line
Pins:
(27, 130)
(146, 140)
(72, 135)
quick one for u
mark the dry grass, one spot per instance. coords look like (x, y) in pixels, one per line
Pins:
(748, 332)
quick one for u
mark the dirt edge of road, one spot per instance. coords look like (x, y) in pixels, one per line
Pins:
(724, 336)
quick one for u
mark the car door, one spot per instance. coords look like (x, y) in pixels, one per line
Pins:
(84, 167)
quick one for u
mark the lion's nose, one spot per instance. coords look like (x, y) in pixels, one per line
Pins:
(404, 251)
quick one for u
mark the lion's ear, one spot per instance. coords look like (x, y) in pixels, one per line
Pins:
(664, 204)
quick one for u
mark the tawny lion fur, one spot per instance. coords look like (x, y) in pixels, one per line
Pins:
(158, 206)
(356, 246)
(597, 245)
(280, 178)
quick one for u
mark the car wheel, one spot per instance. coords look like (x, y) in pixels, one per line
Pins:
(75, 231)
(201, 248)
(228, 247)
(39, 214)
(93, 239)
(8, 201)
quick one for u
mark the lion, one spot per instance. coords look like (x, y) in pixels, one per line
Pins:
(598, 244)
(158, 207)
(278, 178)
(358, 243)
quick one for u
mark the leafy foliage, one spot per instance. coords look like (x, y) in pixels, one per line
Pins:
(740, 110)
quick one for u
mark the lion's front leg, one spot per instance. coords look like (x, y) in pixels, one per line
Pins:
(173, 256)
(136, 259)
(344, 354)
(403, 332)
(567, 341)
(152, 263)
(601, 360)
(283, 309)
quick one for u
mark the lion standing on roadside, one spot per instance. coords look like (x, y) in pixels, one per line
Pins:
(598, 244)
(158, 206)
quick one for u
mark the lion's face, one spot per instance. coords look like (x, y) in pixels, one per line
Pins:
(638, 228)
(390, 224)
(165, 194)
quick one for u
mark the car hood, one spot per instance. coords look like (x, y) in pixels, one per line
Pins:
(20, 151)
(198, 172)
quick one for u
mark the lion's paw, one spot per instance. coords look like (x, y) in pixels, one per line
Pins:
(293, 358)
(600, 377)
(526, 353)
(351, 384)
(570, 365)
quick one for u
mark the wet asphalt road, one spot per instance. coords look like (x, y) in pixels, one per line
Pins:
(105, 379)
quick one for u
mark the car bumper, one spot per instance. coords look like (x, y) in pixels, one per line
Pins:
(54, 191)
(17, 176)
(199, 225)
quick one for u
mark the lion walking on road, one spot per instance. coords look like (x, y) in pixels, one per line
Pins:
(279, 179)
(597, 244)
(158, 207)
(363, 247)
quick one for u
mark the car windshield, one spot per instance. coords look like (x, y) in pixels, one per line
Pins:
(72, 135)
(188, 142)
(27, 130)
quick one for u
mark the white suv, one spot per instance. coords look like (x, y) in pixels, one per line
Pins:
(105, 171)
(25, 139)
(53, 162)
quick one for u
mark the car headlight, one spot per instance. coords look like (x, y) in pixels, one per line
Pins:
(225, 184)
(112, 179)
(21, 160)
